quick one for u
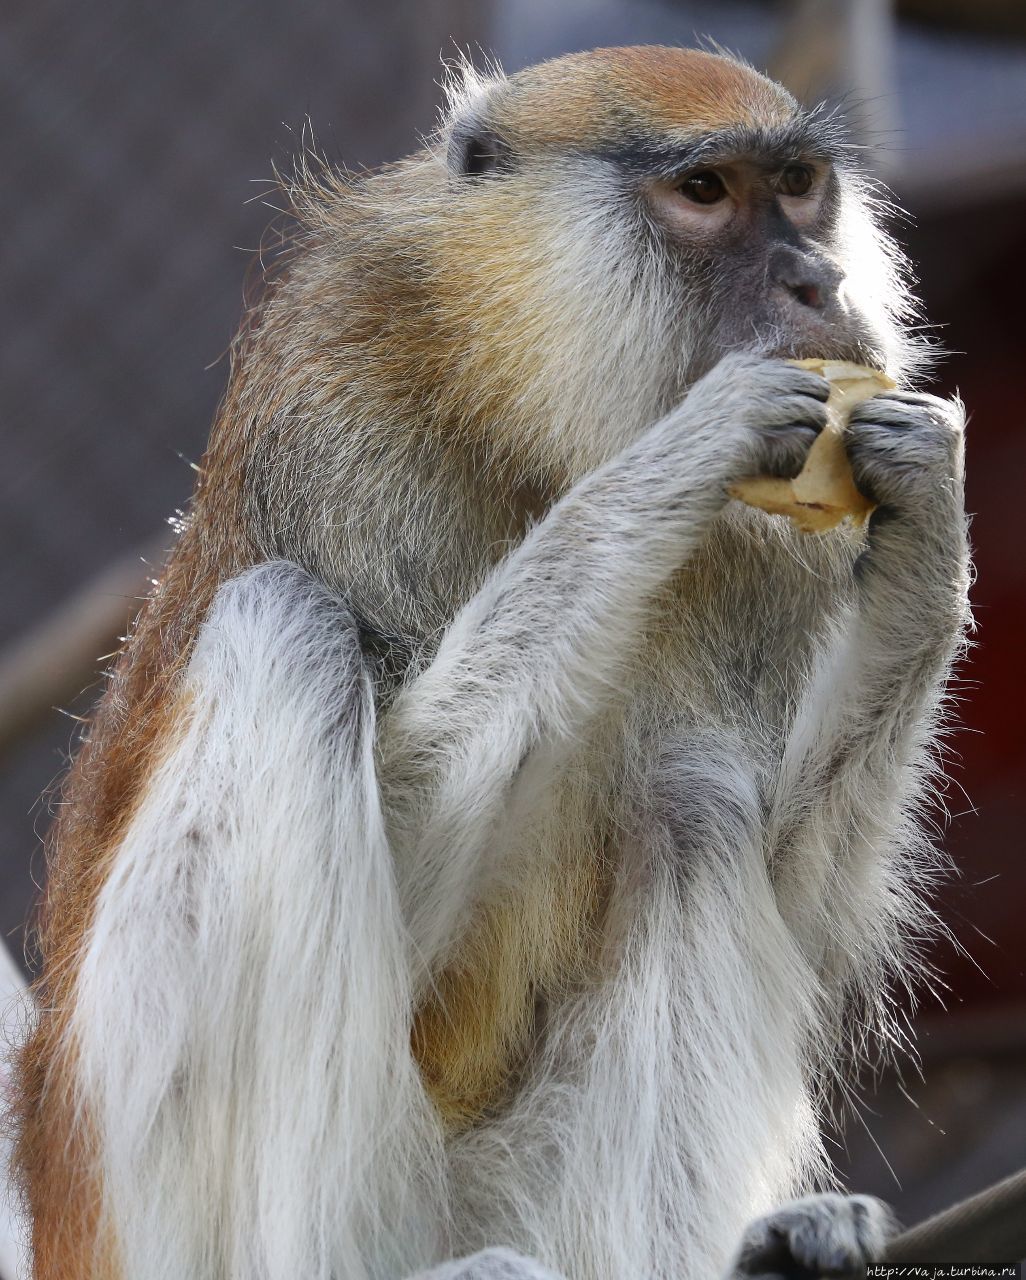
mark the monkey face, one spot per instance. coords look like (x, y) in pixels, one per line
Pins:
(753, 230)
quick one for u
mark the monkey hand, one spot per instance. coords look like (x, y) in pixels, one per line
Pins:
(905, 450)
(906, 454)
(766, 413)
(825, 1235)
(748, 416)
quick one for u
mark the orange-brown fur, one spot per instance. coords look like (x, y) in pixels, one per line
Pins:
(527, 946)
(588, 98)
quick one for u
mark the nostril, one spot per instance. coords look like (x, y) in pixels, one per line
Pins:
(810, 279)
(808, 295)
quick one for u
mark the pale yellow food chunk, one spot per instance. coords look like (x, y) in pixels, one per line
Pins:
(824, 492)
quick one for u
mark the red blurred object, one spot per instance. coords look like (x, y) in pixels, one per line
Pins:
(973, 268)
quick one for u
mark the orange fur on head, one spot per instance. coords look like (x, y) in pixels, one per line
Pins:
(585, 99)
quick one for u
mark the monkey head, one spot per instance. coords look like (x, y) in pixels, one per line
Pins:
(627, 216)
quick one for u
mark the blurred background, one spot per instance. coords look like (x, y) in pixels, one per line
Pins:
(136, 141)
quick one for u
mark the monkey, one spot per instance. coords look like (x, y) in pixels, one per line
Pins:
(494, 842)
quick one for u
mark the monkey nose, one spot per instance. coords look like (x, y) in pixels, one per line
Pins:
(810, 281)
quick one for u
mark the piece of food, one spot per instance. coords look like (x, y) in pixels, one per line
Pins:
(824, 492)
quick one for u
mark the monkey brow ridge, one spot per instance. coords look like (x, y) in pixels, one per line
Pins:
(810, 134)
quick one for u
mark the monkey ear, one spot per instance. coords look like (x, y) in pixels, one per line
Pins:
(475, 149)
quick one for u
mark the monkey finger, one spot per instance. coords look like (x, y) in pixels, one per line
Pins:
(825, 1235)
(794, 410)
(790, 380)
(807, 382)
(906, 410)
(783, 450)
(762, 375)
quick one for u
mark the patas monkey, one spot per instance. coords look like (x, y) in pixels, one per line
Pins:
(493, 837)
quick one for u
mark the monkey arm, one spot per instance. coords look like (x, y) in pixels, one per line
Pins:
(860, 751)
(468, 748)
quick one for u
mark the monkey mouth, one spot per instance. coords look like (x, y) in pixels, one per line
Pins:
(854, 351)
(829, 344)
(788, 332)
(825, 338)
(792, 332)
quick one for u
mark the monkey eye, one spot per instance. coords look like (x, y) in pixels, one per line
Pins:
(703, 188)
(796, 180)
